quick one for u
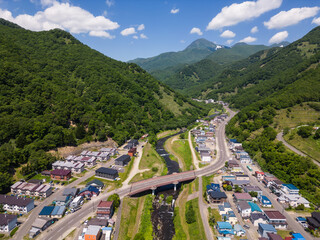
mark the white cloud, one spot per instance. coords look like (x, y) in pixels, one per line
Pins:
(109, 3)
(45, 3)
(196, 31)
(229, 41)
(142, 36)
(239, 12)
(103, 34)
(128, 31)
(254, 29)
(228, 34)
(141, 27)
(64, 16)
(174, 10)
(135, 37)
(248, 39)
(278, 37)
(316, 21)
(291, 17)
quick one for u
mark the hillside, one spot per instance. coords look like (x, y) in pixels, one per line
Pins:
(56, 91)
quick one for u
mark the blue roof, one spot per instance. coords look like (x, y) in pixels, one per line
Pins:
(226, 205)
(291, 186)
(233, 140)
(224, 225)
(89, 188)
(264, 198)
(58, 210)
(107, 228)
(221, 207)
(47, 210)
(231, 214)
(301, 219)
(267, 227)
(254, 207)
(238, 228)
(297, 236)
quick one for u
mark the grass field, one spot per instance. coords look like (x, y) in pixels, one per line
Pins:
(145, 227)
(107, 183)
(182, 150)
(179, 232)
(181, 226)
(283, 233)
(196, 230)
(214, 212)
(167, 133)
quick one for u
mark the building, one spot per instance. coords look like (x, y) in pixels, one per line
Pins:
(264, 229)
(96, 183)
(98, 222)
(205, 157)
(46, 211)
(61, 200)
(250, 189)
(70, 192)
(16, 204)
(107, 232)
(40, 224)
(61, 174)
(58, 211)
(105, 209)
(111, 151)
(259, 175)
(225, 228)
(276, 219)
(297, 236)
(228, 178)
(257, 218)
(122, 160)
(237, 170)
(314, 220)
(265, 202)
(76, 202)
(89, 191)
(132, 152)
(76, 167)
(132, 143)
(242, 197)
(242, 177)
(290, 189)
(267, 180)
(254, 207)
(273, 236)
(31, 189)
(217, 197)
(239, 231)
(93, 233)
(244, 209)
(107, 173)
(294, 200)
(7, 222)
(87, 161)
(233, 163)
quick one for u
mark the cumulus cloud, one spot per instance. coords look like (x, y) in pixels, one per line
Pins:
(229, 41)
(279, 37)
(135, 37)
(291, 17)
(254, 29)
(109, 3)
(64, 16)
(316, 21)
(45, 3)
(142, 36)
(128, 31)
(248, 39)
(228, 34)
(196, 31)
(103, 34)
(174, 10)
(239, 12)
(141, 27)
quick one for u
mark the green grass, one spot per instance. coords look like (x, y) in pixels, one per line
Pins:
(214, 212)
(150, 158)
(283, 233)
(41, 177)
(182, 150)
(146, 227)
(107, 183)
(196, 230)
(179, 232)
(14, 231)
(167, 133)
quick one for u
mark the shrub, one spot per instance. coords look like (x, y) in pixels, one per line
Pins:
(190, 214)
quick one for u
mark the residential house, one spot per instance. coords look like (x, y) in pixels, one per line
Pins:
(96, 183)
(122, 160)
(132, 152)
(70, 192)
(31, 189)
(7, 222)
(276, 184)
(89, 191)
(40, 224)
(225, 208)
(62, 200)
(87, 161)
(98, 222)
(264, 201)
(237, 170)
(205, 157)
(314, 220)
(294, 200)
(217, 197)
(242, 177)
(264, 229)
(254, 208)
(245, 159)
(250, 188)
(239, 231)
(228, 178)
(105, 209)
(257, 218)
(267, 180)
(259, 175)
(16, 204)
(132, 143)
(58, 211)
(201, 138)
(276, 219)
(76, 167)
(111, 151)
(93, 233)
(225, 228)
(107, 232)
(46, 211)
(107, 173)
(231, 217)
(76, 202)
(61, 174)
(273, 236)
(233, 163)
(242, 197)
(240, 183)
(203, 149)
(297, 236)
(290, 189)
(244, 209)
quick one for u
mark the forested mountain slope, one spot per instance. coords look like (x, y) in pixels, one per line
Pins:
(56, 91)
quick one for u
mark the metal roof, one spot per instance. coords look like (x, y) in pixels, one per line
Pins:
(47, 210)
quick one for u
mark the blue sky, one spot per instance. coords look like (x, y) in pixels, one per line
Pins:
(128, 29)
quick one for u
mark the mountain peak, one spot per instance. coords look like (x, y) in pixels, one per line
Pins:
(202, 43)
(8, 24)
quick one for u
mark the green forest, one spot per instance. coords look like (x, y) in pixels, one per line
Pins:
(56, 91)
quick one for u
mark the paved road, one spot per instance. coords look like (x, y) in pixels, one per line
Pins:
(292, 148)
(194, 156)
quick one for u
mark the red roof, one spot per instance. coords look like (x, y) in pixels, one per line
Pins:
(60, 172)
(242, 196)
(274, 215)
(106, 204)
(257, 172)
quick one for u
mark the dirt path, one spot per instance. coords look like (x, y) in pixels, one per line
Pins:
(138, 217)
(194, 157)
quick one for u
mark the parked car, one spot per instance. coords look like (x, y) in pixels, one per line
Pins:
(246, 226)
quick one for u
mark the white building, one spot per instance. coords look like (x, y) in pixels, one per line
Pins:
(31, 189)
(7, 222)
(75, 167)
(16, 204)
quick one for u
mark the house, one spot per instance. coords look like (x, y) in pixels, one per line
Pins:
(240, 183)
(111, 151)
(290, 189)
(314, 220)
(87, 161)
(276, 184)
(122, 160)
(40, 224)
(225, 228)
(203, 149)
(76, 202)
(259, 175)
(61, 200)
(89, 191)
(265, 202)
(267, 180)
(273, 236)
(294, 200)
(276, 219)
(16, 204)
(242, 197)
(105, 209)
(232, 219)
(257, 218)
(7, 222)
(132, 152)
(217, 197)
(264, 229)
(239, 231)
(242, 177)
(297, 236)
(237, 170)
(254, 207)
(205, 157)
(132, 143)
(244, 209)
(98, 222)
(96, 183)
(228, 178)
(250, 188)
(225, 208)
(233, 163)
(31, 189)
(107, 232)
(76, 167)
(61, 174)
(107, 173)
(46, 211)
(245, 159)
(58, 211)
(70, 192)
(93, 233)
